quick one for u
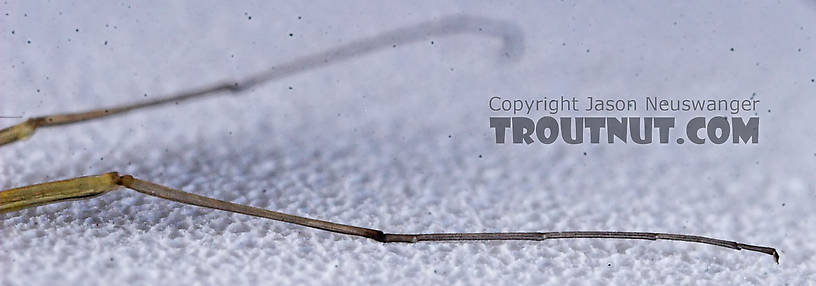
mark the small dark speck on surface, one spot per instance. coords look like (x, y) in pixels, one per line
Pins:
(291, 34)
(101, 158)
(106, 43)
(28, 42)
(585, 154)
(783, 204)
(587, 50)
(291, 88)
(38, 90)
(769, 111)
(732, 49)
(299, 17)
(480, 155)
(249, 18)
(76, 30)
(432, 42)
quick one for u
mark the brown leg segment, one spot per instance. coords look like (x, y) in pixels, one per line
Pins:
(91, 186)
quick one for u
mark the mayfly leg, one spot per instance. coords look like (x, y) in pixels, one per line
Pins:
(92, 186)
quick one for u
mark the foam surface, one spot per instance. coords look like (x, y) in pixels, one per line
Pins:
(399, 140)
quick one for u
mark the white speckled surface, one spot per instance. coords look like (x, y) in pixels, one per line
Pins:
(393, 141)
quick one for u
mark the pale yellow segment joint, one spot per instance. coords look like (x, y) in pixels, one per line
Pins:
(18, 132)
(53, 192)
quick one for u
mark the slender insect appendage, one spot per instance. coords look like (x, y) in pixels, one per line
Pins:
(512, 48)
(92, 186)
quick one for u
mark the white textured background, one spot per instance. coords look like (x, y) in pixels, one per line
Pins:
(393, 140)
